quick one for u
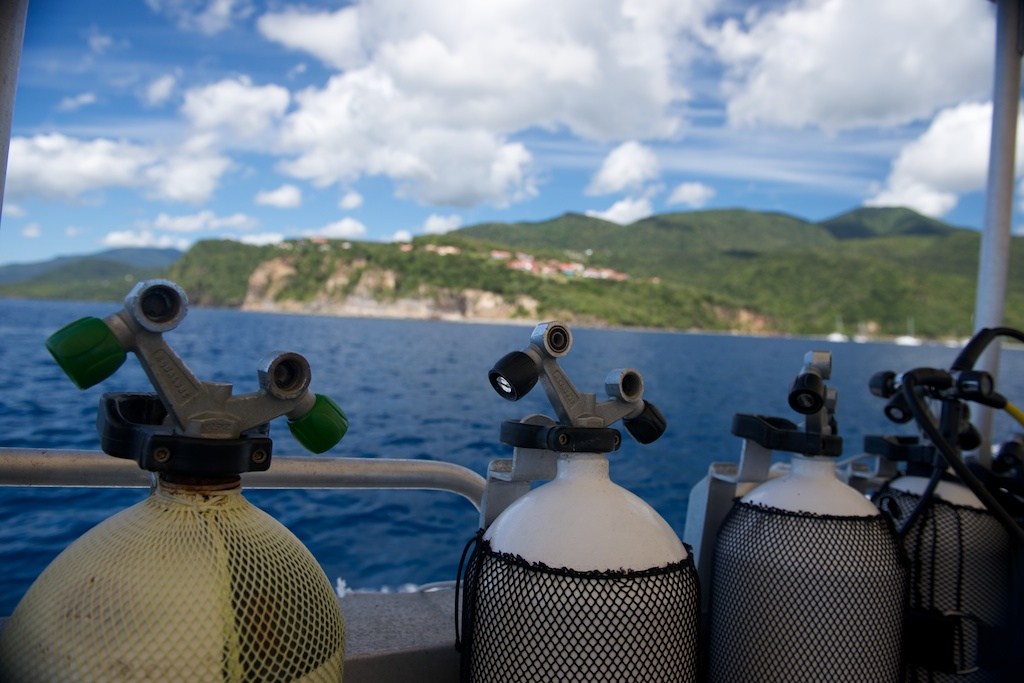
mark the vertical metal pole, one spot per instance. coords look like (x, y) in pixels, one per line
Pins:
(12, 35)
(995, 240)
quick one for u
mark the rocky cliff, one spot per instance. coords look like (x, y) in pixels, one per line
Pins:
(356, 289)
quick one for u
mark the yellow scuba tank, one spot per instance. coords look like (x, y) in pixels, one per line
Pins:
(194, 583)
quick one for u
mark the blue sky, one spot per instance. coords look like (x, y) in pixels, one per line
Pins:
(162, 122)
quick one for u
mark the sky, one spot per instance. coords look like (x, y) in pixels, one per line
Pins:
(163, 122)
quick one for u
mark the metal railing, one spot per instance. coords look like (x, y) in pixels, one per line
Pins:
(43, 467)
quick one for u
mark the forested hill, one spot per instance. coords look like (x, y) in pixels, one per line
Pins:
(880, 271)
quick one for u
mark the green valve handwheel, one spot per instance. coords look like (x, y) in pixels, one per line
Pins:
(87, 351)
(322, 427)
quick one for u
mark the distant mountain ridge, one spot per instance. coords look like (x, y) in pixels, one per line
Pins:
(134, 258)
(107, 275)
(877, 222)
(877, 271)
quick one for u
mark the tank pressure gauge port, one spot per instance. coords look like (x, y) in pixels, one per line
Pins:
(626, 384)
(285, 375)
(554, 338)
(157, 305)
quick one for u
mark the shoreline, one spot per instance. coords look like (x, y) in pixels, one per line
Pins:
(387, 312)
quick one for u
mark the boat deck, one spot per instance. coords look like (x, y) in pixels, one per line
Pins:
(397, 637)
(392, 637)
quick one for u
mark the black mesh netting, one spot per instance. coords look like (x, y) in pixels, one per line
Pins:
(960, 589)
(806, 597)
(524, 621)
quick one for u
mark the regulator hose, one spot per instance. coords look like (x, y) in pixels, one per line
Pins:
(926, 498)
(926, 420)
(979, 342)
(1015, 413)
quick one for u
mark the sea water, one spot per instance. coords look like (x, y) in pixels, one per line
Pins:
(418, 389)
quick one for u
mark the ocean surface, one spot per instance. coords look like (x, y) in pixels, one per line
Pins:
(419, 389)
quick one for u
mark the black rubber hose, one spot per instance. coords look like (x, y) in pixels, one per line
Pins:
(926, 421)
(979, 342)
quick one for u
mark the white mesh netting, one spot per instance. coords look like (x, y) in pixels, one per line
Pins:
(188, 585)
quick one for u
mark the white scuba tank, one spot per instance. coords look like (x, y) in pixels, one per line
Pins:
(811, 487)
(808, 580)
(948, 491)
(584, 520)
(578, 580)
(808, 584)
(581, 580)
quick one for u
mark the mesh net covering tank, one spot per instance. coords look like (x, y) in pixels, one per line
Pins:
(806, 597)
(183, 586)
(525, 621)
(960, 578)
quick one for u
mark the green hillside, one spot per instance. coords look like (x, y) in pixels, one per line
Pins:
(216, 272)
(872, 268)
(663, 246)
(88, 278)
(878, 222)
(883, 268)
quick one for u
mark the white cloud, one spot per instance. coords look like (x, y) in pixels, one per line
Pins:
(171, 231)
(143, 238)
(346, 228)
(160, 90)
(332, 37)
(560, 64)
(224, 113)
(12, 210)
(462, 168)
(359, 124)
(284, 197)
(351, 200)
(432, 94)
(72, 231)
(188, 176)
(57, 166)
(849, 63)
(236, 110)
(75, 102)
(694, 195)
(205, 16)
(98, 42)
(628, 166)
(437, 225)
(32, 231)
(625, 211)
(54, 165)
(949, 159)
(262, 239)
(402, 236)
(921, 197)
(203, 221)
